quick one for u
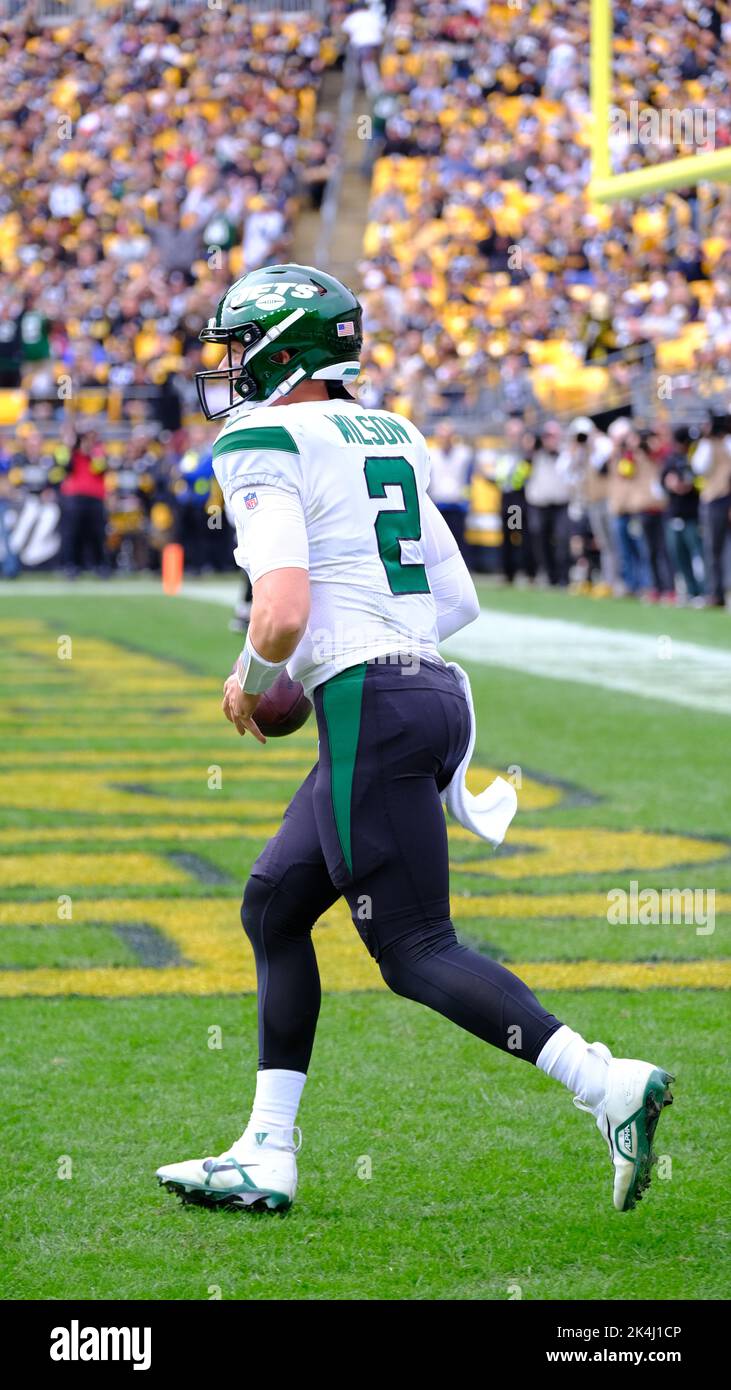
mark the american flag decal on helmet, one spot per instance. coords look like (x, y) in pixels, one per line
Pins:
(347, 329)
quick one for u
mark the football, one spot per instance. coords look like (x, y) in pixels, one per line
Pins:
(283, 709)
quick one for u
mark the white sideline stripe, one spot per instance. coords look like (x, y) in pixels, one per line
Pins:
(121, 588)
(694, 676)
(657, 668)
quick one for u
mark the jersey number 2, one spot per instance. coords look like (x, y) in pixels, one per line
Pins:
(392, 527)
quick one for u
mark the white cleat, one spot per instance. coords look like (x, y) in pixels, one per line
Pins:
(636, 1094)
(260, 1171)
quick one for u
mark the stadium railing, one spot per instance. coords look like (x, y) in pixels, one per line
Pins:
(685, 398)
(53, 11)
(644, 392)
(331, 200)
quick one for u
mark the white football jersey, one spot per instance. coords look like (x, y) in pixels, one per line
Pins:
(338, 490)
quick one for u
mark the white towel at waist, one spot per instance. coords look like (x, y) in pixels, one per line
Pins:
(488, 814)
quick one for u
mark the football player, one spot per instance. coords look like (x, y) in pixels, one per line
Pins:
(356, 581)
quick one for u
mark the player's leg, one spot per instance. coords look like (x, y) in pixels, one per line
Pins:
(716, 527)
(385, 841)
(388, 742)
(288, 889)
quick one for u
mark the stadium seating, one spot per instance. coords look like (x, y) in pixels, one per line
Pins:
(480, 231)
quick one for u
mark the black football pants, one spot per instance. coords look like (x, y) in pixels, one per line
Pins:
(368, 823)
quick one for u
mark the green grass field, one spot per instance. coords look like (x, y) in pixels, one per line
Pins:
(432, 1166)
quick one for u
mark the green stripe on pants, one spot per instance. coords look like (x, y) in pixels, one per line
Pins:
(342, 697)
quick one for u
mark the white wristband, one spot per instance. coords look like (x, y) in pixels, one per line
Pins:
(254, 674)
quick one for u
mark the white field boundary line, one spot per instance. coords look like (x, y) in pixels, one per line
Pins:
(656, 668)
(653, 667)
(85, 588)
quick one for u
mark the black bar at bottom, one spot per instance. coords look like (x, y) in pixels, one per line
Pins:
(289, 1337)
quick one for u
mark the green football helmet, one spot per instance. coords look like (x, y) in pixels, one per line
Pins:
(313, 316)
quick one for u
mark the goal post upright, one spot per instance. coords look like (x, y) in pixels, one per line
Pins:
(600, 89)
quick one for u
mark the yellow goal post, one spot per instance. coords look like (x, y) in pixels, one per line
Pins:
(606, 187)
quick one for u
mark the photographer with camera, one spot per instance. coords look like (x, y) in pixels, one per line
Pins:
(547, 492)
(683, 534)
(585, 463)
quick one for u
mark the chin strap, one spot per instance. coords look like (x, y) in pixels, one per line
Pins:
(335, 389)
(284, 387)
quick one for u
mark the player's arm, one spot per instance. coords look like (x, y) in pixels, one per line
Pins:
(280, 609)
(273, 538)
(449, 578)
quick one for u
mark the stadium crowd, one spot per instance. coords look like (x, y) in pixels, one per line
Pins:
(146, 162)
(142, 172)
(618, 512)
(112, 507)
(484, 261)
(149, 157)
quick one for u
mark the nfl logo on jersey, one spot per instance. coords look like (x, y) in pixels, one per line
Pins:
(346, 330)
(251, 501)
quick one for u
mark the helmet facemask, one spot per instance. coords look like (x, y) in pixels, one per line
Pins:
(241, 386)
(293, 312)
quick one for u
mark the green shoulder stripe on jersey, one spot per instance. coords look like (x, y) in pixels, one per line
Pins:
(342, 697)
(259, 437)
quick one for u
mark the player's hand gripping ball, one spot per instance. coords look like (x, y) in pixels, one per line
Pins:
(281, 710)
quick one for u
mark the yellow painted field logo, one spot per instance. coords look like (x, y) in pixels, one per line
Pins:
(109, 883)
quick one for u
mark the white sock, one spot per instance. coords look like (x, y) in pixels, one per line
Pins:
(276, 1102)
(579, 1065)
